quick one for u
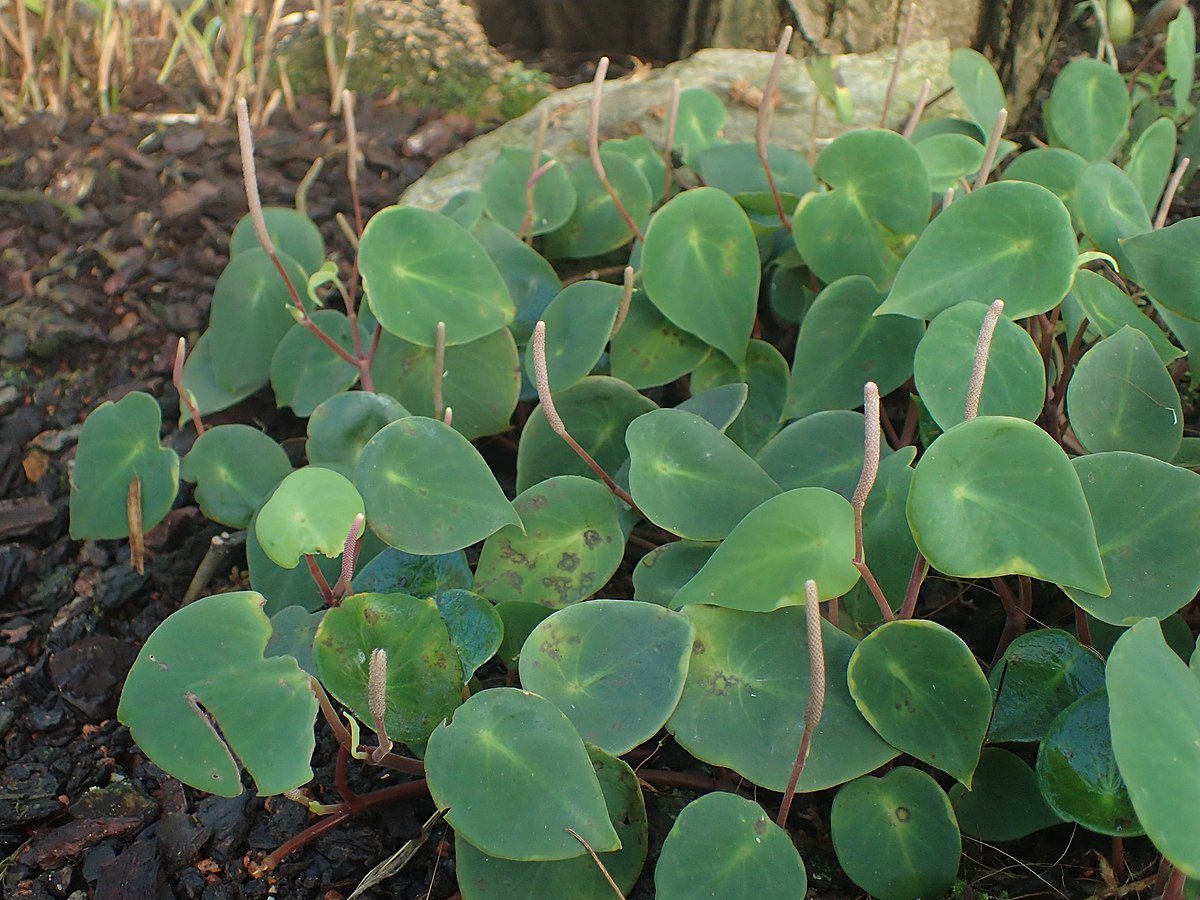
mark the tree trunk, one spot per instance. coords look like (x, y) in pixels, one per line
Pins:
(1018, 35)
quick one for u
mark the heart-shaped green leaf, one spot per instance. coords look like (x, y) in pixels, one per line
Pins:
(764, 372)
(234, 468)
(746, 691)
(340, 427)
(305, 372)
(1055, 169)
(531, 280)
(803, 534)
(310, 512)
(723, 845)
(520, 752)
(1122, 398)
(420, 268)
(1165, 265)
(1088, 108)
(997, 496)
(719, 406)
(482, 877)
(978, 86)
(700, 119)
(1109, 309)
(614, 667)
(1041, 674)
(204, 669)
(1155, 717)
(569, 546)
(649, 351)
(920, 687)
(734, 168)
(428, 490)
(119, 442)
(842, 345)
(896, 836)
(424, 675)
(292, 233)
(949, 158)
(481, 380)
(660, 574)
(1009, 239)
(1004, 802)
(475, 627)
(821, 450)
(647, 158)
(393, 571)
(700, 267)
(689, 478)
(578, 323)
(1109, 208)
(506, 194)
(596, 412)
(204, 387)
(597, 226)
(1078, 773)
(1147, 515)
(1151, 160)
(1016, 377)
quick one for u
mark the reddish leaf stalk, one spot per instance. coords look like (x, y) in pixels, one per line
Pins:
(319, 577)
(596, 859)
(816, 694)
(594, 149)
(914, 118)
(762, 128)
(439, 369)
(542, 381)
(185, 396)
(901, 46)
(866, 481)
(535, 167)
(915, 580)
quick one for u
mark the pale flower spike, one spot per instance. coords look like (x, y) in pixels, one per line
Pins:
(377, 701)
(870, 446)
(250, 177)
(975, 388)
(350, 551)
(541, 380)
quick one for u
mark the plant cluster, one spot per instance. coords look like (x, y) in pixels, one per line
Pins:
(1033, 323)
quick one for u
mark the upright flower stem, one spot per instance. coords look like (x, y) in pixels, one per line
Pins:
(762, 128)
(672, 118)
(185, 396)
(901, 46)
(993, 146)
(866, 481)
(594, 149)
(1169, 194)
(626, 299)
(439, 370)
(918, 110)
(816, 694)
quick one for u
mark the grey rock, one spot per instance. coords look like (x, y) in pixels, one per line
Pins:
(635, 105)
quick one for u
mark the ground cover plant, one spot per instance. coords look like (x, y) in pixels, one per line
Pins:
(1025, 312)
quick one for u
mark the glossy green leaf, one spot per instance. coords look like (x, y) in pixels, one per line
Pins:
(249, 317)
(520, 752)
(1151, 160)
(531, 280)
(1166, 265)
(1155, 717)
(480, 382)
(424, 675)
(506, 194)
(1175, 628)
(700, 267)
(597, 226)
(1109, 309)
(1088, 108)
(519, 619)
(803, 534)
(842, 345)
(428, 490)
(660, 574)
(1007, 485)
(340, 427)
(978, 86)
(1122, 398)
(948, 158)
(234, 468)
(291, 231)
(719, 406)
(647, 158)
(202, 670)
(118, 442)
(1054, 168)
(1015, 384)
(293, 629)
(1004, 802)
(1181, 56)
(393, 571)
(465, 208)
(735, 169)
(578, 323)
(700, 119)
(1109, 208)
(596, 412)
(689, 478)
(1009, 239)
(475, 627)
(649, 351)
(744, 699)
(764, 372)
(821, 450)
(1078, 773)
(723, 845)
(1147, 516)
(305, 372)
(920, 687)
(614, 667)
(879, 189)
(896, 836)
(569, 547)
(201, 382)
(482, 877)
(420, 268)
(1041, 673)
(310, 512)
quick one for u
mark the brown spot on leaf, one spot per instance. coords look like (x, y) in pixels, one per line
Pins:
(569, 562)
(592, 538)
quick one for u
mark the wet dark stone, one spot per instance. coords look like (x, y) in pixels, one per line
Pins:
(227, 818)
(136, 874)
(12, 567)
(28, 792)
(89, 673)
